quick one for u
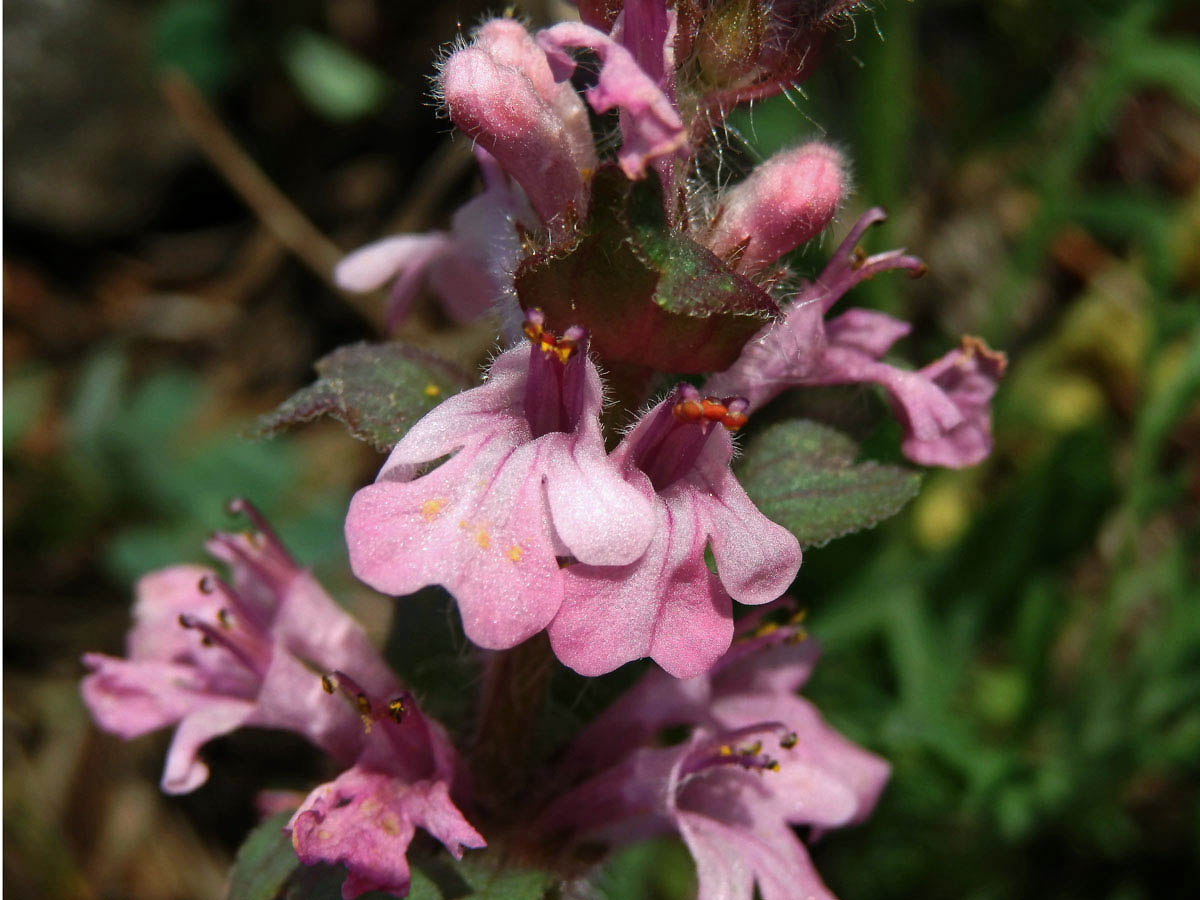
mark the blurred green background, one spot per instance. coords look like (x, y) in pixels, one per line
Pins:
(1022, 642)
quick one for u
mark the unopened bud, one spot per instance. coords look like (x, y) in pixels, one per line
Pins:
(508, 44)
(784, 202)
(498, 107)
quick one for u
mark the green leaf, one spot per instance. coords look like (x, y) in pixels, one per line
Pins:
(377, 390)
(648, 296)
(332, 80)
(264, 862)
(802, 475)
(435, 878)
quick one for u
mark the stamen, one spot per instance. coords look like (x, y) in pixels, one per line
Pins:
(561, 347)
(246, 615)
(211, 636)
(397, 709)
(242, 506)
(789, 740)
(730, 412)
(270, 563)
(353, 691)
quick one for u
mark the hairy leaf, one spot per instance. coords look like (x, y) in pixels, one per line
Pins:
(802, 474)
(649, 296)
(377, 390)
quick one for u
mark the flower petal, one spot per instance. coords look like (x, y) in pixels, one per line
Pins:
(650, 124)
(131, 698)
(866, 330)
(184, 770)
(477, 525)
(599, 516)
(730, 860)
(667, 605)
(756, 559)
(366, 820)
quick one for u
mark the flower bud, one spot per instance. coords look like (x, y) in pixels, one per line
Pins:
(508, 43)
(784, 202)
(498, 106)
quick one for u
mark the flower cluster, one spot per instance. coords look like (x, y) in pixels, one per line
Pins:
(585, 487)
(270, 648)
(753, 760)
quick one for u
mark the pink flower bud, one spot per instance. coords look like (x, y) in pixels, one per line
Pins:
(498, 106)
(509, 44)
(784, 202)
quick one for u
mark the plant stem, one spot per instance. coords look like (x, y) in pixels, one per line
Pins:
(514, 691)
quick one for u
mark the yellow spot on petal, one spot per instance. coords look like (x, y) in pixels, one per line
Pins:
(430, 508)
(324, 835)
(514, 552)
(432, 390)
(478, 532)
(390, 824)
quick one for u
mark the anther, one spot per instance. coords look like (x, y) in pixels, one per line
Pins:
(207, 585)
(362, 704)
(789, 740)
(327, 684)
(772, 765)
(765, 629)
(266, 534)
(734, 420)
(726, 750)
(713, 410)
(397, 709)
(223, 618)
(689, 411)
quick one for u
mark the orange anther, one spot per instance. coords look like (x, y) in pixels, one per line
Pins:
(689, 411)
(713, 410)
(734, 420)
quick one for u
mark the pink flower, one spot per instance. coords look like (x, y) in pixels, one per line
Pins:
(784, 202)
(367, 816)
(759, 760)
(501, 93)
(210, 656)
(943, 407)
(667, 604)
(527, 481)
(469, 267)
(650, 124)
